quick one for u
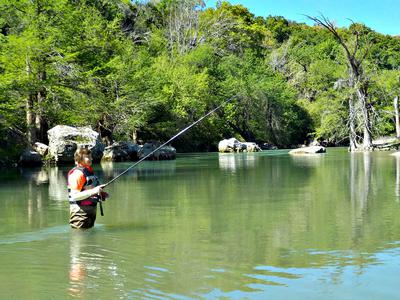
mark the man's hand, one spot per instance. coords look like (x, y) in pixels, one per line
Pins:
(104, 195)
(98, 189)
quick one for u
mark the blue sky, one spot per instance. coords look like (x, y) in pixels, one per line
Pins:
(381, 15)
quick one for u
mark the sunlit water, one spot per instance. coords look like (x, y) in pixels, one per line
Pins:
(210, 226)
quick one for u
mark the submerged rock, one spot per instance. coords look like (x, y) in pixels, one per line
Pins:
(165, 153)
(308, 150)
(121, 151)
(386, 143)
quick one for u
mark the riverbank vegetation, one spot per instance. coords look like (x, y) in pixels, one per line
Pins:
(146, 69)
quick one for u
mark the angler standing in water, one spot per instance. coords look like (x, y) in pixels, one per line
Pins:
(84, 191)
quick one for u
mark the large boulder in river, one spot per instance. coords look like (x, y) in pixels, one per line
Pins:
(308, 150)
(121, 151)
(165, 153)
(64, 140)
(233, 145)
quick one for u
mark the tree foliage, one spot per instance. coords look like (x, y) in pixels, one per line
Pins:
(143, 70)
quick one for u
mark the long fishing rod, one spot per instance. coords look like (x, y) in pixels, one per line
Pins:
(167, 142)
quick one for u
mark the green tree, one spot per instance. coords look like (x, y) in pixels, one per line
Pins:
(266, 109)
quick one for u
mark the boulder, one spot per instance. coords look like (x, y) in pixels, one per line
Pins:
(266, 146)
(233, 145)
(64, 140)
(40, 148)
(308, 150)
(30, 158)
(131, 148)
(121, 151)
(252, 147)
(165, 153)
(386, 143)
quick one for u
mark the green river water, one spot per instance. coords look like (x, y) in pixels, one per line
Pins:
(210, 226)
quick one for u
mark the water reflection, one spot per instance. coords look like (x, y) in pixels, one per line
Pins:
(57, 184)
(360, 185)
(277, 225)
(308, 160)
(90, 264)
(78, 266)
(109, 170)
(397, 185)
(37, 199)
(233, 161)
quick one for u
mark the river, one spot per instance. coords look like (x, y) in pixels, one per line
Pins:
(210, 226)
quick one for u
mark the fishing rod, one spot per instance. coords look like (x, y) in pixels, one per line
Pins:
(167, 142)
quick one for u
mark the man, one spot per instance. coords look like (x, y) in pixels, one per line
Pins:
(84, 191)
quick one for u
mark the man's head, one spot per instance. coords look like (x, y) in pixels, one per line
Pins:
(83, 156)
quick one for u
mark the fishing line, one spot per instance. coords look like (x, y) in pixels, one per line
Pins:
(167, 142)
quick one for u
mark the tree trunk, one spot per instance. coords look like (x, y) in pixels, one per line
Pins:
(30, 120)
(40, 122)
(367, 141)
(396, 113)
(352, 116)
(30, 112)
(134, 136)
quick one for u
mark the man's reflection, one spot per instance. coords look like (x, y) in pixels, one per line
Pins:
(91, 264)
(78, 267)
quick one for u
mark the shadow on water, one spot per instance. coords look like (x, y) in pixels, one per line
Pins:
(33, 236)
(57, 231)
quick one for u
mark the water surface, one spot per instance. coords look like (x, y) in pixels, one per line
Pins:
(210, 226)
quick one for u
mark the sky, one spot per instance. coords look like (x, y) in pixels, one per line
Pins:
(380, 15)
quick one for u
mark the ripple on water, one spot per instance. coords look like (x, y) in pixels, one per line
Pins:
(32, 236)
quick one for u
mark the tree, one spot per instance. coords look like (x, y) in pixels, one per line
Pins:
(356, 53)
(386, 92)
(57, 58)
(266, 109)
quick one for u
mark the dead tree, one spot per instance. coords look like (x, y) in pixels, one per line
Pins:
(357, 81)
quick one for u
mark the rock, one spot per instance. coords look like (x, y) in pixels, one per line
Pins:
(121, 151)
(229, 145)
(40, 148)
(386, 143)
(252, 147)
(165, 153)
(114, 153)
(64, 140)
(233, 145)
(308, 150)
(315, 143)
(132, 149)
(30, 158)
(266, 146)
